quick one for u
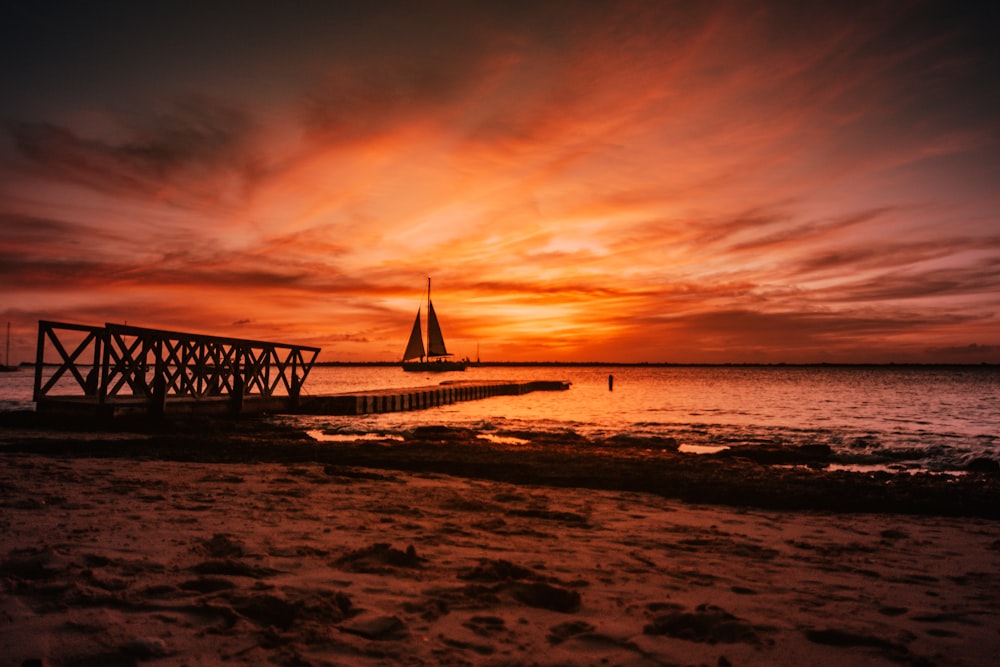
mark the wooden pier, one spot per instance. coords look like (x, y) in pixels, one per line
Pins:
(118, 370)
(417, 398)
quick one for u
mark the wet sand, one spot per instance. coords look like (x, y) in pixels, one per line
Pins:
(192, 548)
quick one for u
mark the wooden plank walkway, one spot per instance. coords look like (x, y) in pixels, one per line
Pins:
(352, 403)
(418, 398)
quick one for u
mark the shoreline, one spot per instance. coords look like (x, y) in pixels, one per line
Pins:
(773, 478)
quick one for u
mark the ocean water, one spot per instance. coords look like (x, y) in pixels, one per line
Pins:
(915, 418)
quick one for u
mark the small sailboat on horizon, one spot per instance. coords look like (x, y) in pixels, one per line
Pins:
(433, 359)
(5, 367)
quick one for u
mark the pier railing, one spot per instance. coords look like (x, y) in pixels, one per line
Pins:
(120, 362)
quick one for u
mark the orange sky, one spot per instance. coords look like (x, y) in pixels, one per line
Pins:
(645, 181)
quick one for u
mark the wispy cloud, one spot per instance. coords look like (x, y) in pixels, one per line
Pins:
(636, 180)
(182, 156)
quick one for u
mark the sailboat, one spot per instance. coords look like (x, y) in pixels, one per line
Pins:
(433, 360)
(5, 367)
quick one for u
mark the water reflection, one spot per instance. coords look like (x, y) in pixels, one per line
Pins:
(929, 417)
(932, 417)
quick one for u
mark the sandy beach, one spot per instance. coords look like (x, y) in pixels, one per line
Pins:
(112, 557)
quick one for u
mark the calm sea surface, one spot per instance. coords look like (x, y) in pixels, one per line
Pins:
(934, 418)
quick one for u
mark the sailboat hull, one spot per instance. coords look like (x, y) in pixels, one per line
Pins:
(440, 366)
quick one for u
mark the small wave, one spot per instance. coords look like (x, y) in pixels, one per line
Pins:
(321, 436)
(502, 439)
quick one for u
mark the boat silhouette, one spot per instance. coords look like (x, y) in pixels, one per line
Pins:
(5, 367)
(434, 358)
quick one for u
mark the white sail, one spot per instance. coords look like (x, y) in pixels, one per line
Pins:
(415, 347)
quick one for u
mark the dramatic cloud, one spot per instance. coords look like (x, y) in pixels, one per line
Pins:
(187, 155)
(634, 181)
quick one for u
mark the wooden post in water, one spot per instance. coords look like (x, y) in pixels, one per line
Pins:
(239, 389)
(158, 401)
(296, 389)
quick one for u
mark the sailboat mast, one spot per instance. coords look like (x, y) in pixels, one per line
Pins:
(428, 318)
(6, 356)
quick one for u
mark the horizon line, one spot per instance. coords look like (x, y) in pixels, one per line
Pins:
(681, 364)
